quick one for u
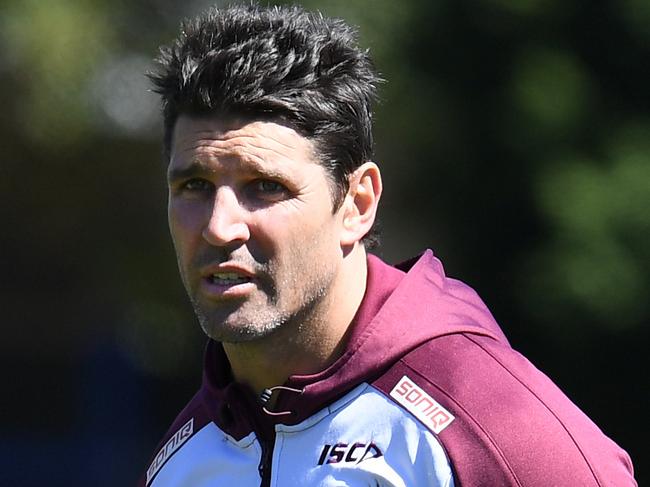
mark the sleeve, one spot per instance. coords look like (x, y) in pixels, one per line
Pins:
(512, 426)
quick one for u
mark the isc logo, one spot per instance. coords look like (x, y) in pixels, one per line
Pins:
(344, 452)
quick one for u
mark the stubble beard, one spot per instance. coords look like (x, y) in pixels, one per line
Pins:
(307, 305)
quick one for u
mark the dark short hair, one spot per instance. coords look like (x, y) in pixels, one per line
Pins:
(279, 63)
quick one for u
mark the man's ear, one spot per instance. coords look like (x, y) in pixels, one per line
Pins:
(360, 205)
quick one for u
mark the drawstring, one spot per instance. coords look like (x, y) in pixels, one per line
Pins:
(266, 396)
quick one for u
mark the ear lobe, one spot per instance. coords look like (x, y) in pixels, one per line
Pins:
(360, 205)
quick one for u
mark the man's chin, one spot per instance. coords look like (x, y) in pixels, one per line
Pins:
(237, 329)
(236, 335)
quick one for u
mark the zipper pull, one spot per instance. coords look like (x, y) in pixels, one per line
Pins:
(266, 395)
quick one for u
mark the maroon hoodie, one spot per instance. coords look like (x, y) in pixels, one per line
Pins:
(430, 348)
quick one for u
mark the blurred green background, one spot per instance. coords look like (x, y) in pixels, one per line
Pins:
(514, 139)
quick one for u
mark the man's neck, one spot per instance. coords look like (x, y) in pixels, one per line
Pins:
(309, 345)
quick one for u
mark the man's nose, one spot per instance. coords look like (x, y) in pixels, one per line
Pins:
(227, 223)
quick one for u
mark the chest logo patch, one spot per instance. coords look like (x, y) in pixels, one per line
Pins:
(421, 405)
(173, 444)
(349, 453)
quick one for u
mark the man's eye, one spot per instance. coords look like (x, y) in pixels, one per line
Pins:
(197, 185)
(266, 188)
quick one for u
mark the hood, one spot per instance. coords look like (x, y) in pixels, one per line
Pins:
(401, 312)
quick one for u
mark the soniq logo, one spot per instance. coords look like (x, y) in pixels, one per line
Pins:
(354, 453)
(421, 405)
(174, 443)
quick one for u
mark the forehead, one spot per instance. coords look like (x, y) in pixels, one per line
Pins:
(232, 140)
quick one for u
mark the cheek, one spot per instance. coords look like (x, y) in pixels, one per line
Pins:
(285, 226)
(310, 244)
(185, 225)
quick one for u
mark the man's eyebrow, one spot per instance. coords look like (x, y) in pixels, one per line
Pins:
(193, 170)
(197, 169)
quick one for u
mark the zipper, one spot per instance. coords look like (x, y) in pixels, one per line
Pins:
(266, 431)
(264, 468)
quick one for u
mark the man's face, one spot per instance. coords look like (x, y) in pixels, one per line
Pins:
(250, 213)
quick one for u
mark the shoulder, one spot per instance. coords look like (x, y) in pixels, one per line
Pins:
(510, 422)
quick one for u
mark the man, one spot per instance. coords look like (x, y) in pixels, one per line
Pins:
(326, 366)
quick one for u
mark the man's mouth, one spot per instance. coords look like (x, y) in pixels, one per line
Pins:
(228, 278)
